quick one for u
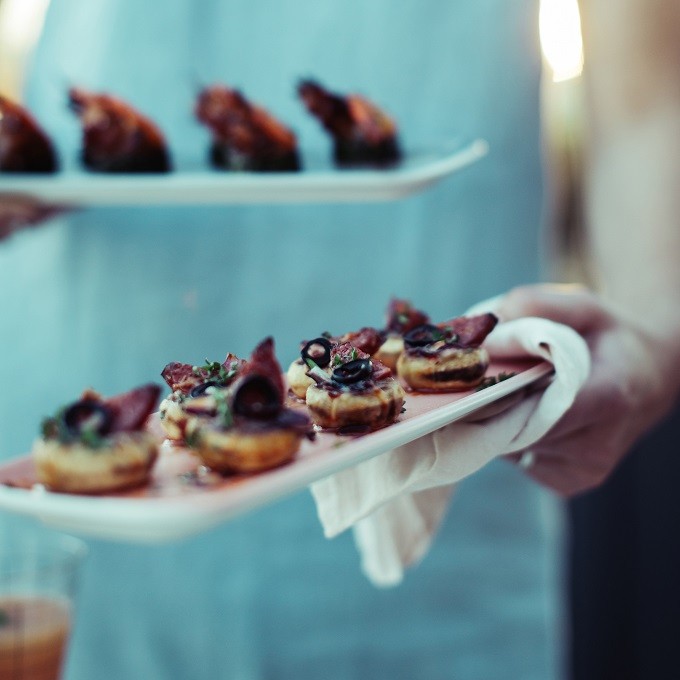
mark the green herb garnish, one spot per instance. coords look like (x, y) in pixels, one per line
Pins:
(191, 439)
(4, 618)
(55, 427)
(214, 370)
(352, 356)
(222, 406)
(91, 438)
(448, 335)
(51, 428)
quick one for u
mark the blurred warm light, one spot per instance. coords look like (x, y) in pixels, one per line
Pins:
(20, 24)
(559, 24)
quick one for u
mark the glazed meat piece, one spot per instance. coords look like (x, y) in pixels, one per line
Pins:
(24, 147)
(362, 133)
(116, 138)
(245, 136)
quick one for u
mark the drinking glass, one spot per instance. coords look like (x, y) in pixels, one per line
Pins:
(38, 580)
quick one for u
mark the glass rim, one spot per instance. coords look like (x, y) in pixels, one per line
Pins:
(58, 552)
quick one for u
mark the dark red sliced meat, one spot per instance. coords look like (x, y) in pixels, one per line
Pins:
(471, 330)
(346, 351)
(366, 339)
(184, 377)
(180, 377)
(402, 316)
(380, 371)
(263, 362)
(130, 410)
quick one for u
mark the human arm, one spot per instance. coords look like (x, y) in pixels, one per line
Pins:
(632, 171)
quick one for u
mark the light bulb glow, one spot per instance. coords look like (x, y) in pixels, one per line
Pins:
(20, 23)
(559, 24)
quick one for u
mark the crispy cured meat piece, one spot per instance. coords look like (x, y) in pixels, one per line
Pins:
(361, 132)
(24, 146)
(185, 377)
(263, 363)
(130, 411)
(366, 339)
(402, 316)
(245, 136)
(470, 331)
(116, 138)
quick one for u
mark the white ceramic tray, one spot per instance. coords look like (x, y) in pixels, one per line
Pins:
(318, 183)
(176, 504)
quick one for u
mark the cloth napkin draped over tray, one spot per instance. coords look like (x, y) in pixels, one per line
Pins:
(395, 501)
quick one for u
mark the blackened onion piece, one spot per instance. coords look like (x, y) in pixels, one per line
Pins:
(420, 336)
(256, 397)
(88, 414)
(353, 371)
(201, 389)
(294, 420)
(311, 351)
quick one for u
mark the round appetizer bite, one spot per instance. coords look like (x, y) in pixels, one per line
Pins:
(190, 385)
(316, 355)
(359, 394)
(245, 136)
(96, 445)
(446, 357)
(116, 138)
(251, 429)
(24, 146)
(401, 317)
(362, 133)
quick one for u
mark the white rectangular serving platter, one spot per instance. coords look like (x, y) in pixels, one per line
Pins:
(172, 507)
(189, 185)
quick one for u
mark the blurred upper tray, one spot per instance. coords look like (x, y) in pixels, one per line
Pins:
(314, 184)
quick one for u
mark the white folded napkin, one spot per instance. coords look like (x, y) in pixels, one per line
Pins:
(395, 501)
